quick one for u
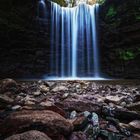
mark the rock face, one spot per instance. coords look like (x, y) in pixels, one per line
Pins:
(119, 27)
(29, 135)
(47, 121)
(26, 53)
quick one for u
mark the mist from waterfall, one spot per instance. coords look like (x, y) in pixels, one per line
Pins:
(74, 47)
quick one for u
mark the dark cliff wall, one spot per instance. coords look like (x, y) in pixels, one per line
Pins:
(120, 38)
(24, 42)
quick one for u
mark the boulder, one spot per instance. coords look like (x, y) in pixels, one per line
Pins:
(49, 122)
(79, 105)
(78, 136)
(136, 136)
(113, 99)
(5, 100)
(29, 135)
(120, 113)
(8, 84)
(124, 114)
(80, 123)
(135, 125)
(58, 88)
(51, 106)
(137, 98)
(134, 106)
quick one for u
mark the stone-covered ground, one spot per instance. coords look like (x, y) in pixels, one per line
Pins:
(25, 39)
(69, 110)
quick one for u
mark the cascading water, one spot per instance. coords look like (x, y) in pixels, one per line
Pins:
(42, 9)
(74, 45)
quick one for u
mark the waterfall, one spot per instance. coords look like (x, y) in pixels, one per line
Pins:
(42, 9)
(74, 46)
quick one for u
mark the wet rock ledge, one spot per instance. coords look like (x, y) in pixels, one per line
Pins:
(69, 110)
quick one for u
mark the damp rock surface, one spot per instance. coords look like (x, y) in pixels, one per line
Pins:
(29, 135)
(49, 122)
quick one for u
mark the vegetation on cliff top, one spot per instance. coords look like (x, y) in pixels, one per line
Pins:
(64, 3)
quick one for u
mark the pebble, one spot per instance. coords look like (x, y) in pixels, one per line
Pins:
(44, 88)
(37, 93)
(16, 107)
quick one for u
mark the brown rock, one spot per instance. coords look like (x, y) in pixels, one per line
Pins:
(134, 106)
(136, 136)
(37, 93)
(135, 125)
(4, 100)
(112, 128)
(121, 114)
(30, 135)
(137, 98)
(45, 106)
(58, 88)
(49, 83)
(123, 125)
(80, 123)
(103, 124)
(113, 99)
(124, 114)
(44, 88)
(8, 84)
(50, 106)
(47, 121)
(79, 105)
(78, 136)
(59, 137)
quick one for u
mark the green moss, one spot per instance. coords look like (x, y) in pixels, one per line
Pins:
(60, 2)
(128, 54)
(111, 12)
(137, 17)
(101, 1)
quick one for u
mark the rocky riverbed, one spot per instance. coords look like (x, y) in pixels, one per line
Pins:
(69, 110)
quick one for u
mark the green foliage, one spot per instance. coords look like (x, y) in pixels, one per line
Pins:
(128, 54)
(138, 17)
(101, 1)
(60, 2)
(111, 12)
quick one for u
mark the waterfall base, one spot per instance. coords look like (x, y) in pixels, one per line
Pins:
(75, 78)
